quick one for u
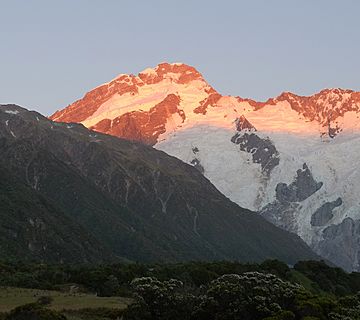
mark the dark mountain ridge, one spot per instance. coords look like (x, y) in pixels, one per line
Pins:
(140, 203)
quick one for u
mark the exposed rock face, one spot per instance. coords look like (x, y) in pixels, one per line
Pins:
(327, 105)
(144, 126)
(262, 150)
(211, 100)
(341, 243)
(284, 209)
(282, 214)
(84, 108)
(243, 124)
(196, 163)
(301, 188)
(138, 202)
(186, 74)
(324, 214)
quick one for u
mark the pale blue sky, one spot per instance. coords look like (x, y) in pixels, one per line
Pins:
(52, 52)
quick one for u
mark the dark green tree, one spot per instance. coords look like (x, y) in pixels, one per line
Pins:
(252, 295)
(110, 287)
(160, 300)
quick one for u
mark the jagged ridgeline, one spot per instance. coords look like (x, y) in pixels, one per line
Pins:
(72, 194)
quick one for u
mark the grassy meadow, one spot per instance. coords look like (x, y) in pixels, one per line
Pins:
(11, 298)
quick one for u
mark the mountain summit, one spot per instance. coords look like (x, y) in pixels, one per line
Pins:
(292, 158)
(141, 107)
(168, 97)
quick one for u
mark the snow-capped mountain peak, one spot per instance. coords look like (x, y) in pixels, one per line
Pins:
(134, 97)
(149, 95)
(292, 158)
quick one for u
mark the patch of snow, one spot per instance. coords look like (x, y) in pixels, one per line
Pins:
(149, 71)
(12, 111)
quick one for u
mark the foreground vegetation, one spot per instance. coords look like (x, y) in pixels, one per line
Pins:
(11, 298)
(219, 291)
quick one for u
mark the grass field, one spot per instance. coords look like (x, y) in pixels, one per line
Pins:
(11, 298)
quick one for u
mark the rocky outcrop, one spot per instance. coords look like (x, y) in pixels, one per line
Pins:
(341, 243)
(243, 124)
(85, 107)
(263, 151)
(211, 100)
(303, 186)
(324, 214)
(186, 73)
(283, 210)
(325, 106)
(197, 165)
(143, 126)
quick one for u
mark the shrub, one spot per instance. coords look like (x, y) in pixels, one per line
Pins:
(33, 311)
(45, 300)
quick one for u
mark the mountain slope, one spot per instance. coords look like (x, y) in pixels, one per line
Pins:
(31, 228)
(143, 204)
(252, 151)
